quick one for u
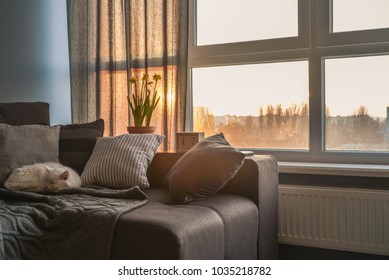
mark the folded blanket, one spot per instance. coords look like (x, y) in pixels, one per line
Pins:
(73, 224)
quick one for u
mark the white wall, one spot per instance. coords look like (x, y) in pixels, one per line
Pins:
(34, 55)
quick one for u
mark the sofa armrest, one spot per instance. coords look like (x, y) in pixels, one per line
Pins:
(257, 180)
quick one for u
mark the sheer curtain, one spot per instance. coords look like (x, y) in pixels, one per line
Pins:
(113, 40)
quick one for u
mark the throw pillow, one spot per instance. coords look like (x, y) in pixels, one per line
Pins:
(121, 161)
(25, 113)
(76, 143)
(204, 169)
(26, 144)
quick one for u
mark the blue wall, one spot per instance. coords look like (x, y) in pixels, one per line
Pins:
(34, 55)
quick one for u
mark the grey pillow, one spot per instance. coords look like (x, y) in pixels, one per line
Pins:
(204, 169)
(121, 161)
(76, 143)
(26, 144)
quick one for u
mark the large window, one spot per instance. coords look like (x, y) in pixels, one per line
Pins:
(262, 105)
(218, 23)
(303, 80)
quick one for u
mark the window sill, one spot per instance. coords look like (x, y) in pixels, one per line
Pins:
(337, 169)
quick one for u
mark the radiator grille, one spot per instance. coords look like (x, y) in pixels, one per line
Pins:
(345, 219)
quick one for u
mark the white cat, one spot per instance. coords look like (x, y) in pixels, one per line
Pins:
(40, 177)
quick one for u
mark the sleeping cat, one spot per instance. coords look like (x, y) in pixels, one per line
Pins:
(40, 177)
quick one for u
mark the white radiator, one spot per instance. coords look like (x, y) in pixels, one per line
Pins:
(343, 219)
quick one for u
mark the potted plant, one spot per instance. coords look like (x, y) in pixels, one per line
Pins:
(142, 103)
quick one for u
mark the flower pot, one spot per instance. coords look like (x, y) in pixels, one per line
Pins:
(141, 129)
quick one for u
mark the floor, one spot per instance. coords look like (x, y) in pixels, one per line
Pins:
(292, 252)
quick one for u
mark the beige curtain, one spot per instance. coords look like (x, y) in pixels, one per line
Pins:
(113, 40)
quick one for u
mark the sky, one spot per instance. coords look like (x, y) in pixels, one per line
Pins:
(239, 20)
(240, 90)
(352, 82)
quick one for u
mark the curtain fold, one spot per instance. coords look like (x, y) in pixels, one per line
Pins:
(113, 40)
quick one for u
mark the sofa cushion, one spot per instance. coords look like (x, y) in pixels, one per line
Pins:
(76, 143)
(207, 229)
(236, 212)
(160, 231)
(24, 113)
(204, 169)
(26, 144)
(121, 161)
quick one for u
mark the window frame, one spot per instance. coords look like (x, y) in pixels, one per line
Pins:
(314, 43)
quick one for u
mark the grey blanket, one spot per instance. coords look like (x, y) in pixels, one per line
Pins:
(72, 224)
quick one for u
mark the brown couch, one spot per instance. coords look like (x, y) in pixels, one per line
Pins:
(239, 222)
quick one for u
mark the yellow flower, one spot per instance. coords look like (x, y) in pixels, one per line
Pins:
(142, 100)
(145, 77)
(157, 77)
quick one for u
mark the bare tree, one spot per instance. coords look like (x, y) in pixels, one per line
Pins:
(361, 111)
(204, 120)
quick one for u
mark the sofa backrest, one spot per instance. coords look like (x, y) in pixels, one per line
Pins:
(159, 167)
(24, 113)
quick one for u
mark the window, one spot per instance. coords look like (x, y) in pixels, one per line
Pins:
(357, 102)
(316, 93)
(267, 103)
(352, 15)
(218, 23)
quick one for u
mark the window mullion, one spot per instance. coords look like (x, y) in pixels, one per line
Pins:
(316, 108)
(316, 98)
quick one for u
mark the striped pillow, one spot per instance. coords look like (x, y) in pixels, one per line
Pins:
(121, 161)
